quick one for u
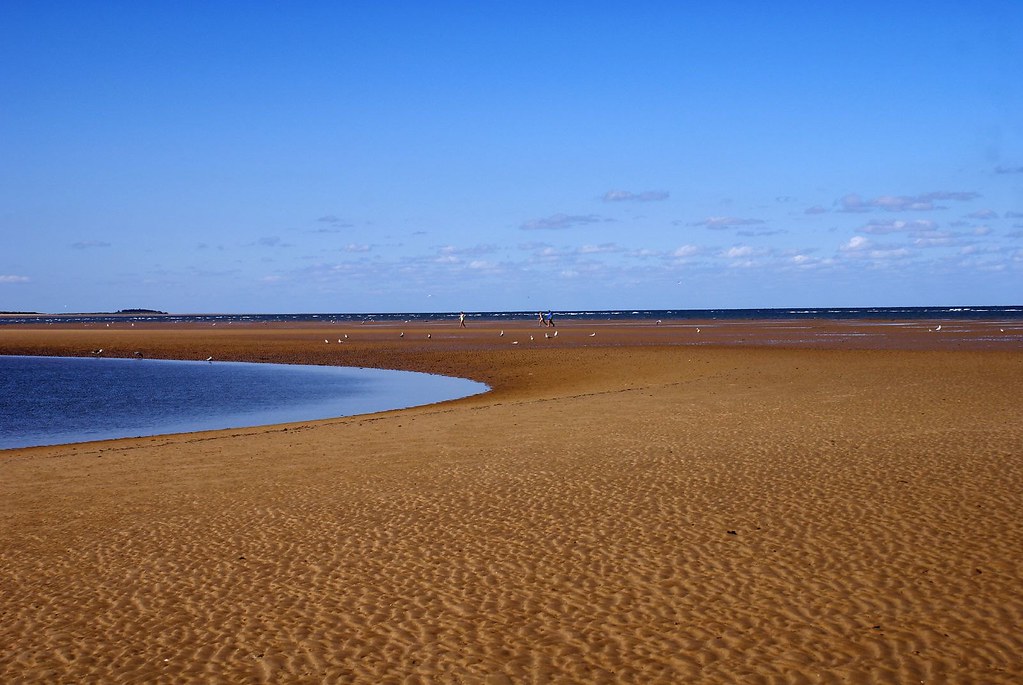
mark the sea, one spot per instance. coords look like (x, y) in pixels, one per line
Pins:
(59, 400)
(965, 313)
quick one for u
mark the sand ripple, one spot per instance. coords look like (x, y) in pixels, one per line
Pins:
(705, 516)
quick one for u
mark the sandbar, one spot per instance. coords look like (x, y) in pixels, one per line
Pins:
(756, 502)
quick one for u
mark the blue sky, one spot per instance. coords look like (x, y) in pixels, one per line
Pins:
(398, 156)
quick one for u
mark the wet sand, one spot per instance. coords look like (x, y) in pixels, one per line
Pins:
(760, 502)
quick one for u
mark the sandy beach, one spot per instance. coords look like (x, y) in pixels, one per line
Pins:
(757, 502)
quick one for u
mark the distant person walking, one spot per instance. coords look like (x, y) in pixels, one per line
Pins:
(461, 319)
(539, 319)
(550, 319)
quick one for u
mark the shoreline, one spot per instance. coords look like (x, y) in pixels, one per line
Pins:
(630, 507)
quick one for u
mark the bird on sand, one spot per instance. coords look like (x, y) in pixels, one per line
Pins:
(592, 335)
(99, 351)
(402, 334)
(501, 334)
(209, 359)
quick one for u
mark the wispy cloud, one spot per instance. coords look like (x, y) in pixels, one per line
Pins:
(628, 196)
(13, 278)
(560, 221)
(880, 227)
(902, 203)
(816, 209)
(89, 244)
(723, 222)
(739, 251)
(603, 248)
(1009, 169)
(855, 244)
(470, 251)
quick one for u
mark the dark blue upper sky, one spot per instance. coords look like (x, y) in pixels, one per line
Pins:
(394, 156)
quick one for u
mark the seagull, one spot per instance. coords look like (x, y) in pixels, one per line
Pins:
(938, 328)
(592, 335)
(547, 335)
(697, 329)
(99, 351)
(658, 322)
(530, 338)
(326, 341)
(502, 334)
(555, 334)
(429, 335)
(209, 359)
(515, 342)
(137, 354)
(340, 340)
(346, 336)
(402, 334)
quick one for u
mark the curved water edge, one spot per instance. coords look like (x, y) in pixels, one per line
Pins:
(63, 400)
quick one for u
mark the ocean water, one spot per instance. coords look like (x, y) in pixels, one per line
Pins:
(960, 313)
(58, 400)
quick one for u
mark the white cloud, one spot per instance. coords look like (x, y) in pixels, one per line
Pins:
(739, 251)
(855, 244)
(686, 251)
(12, 278)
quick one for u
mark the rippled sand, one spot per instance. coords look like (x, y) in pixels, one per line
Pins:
(637, 506)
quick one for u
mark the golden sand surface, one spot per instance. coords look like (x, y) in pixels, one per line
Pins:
(640, 505)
